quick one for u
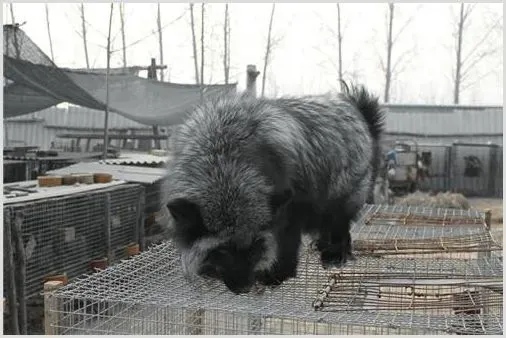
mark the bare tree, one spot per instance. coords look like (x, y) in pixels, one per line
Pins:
(333, 57)
(160, 40)
(49, 32)
(268, 49)
(340, 45)
(84, 37)
(13, 20)
(16, 43)
(123, 40)
(391, 69)
(202, 49)
(194, 43)
(477, 53)
(226, 44)
(388, 71)
(106, 118)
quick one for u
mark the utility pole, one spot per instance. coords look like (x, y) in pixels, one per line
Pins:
(152, 75)
(106, 120)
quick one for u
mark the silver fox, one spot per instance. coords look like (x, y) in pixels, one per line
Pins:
(250, 176)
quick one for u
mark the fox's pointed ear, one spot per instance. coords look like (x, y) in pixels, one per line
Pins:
(183, 209)
(280, 199)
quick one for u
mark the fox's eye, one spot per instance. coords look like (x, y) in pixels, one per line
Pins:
(210, 271)
(256, 249)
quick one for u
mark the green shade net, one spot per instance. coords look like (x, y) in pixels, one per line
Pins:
(32, 82)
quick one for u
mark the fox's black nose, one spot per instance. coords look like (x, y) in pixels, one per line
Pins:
(239, 288)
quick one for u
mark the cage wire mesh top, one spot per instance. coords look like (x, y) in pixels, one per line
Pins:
(400, 230)
(149, 295)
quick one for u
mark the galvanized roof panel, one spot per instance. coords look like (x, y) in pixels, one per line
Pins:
(138, 159)
(49, 192)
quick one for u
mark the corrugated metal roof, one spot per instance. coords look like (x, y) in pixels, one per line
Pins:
(120, 172)
(137, 159)
(48, 192)
(62, 156)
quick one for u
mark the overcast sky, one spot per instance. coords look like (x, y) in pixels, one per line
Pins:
(303, 61)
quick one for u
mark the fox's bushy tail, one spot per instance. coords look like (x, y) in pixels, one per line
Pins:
(368, 105)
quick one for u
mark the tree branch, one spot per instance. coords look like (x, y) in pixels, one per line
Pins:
(406, 24)
(469, 84)
(194, 44)
(481, 41)
(476, 60)
(268, 49)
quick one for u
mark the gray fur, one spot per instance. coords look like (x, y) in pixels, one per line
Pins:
(325, 144)
(269, 255)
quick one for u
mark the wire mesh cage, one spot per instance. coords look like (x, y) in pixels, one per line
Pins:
(469, 292)
(148, 294)
(64, 234)
(385, 230)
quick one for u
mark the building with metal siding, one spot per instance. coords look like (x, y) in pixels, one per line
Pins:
(444, 124)
(41, 128)
(423, 123)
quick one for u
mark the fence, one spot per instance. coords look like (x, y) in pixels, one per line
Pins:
(477, 169)
(63, 235)
(391, 294)
(467, 168)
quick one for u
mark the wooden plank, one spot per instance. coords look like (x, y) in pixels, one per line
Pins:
(51, 314)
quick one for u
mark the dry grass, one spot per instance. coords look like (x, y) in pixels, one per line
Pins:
(441, 200)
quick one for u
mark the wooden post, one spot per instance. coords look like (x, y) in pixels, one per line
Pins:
(251, 81)
(488, 256)
(488, 224)
(157, 140)
(488, 219)
(107, 230)
(19, 248)
(152, 75)
(141, 231)
(10, 277)
(124, 141)
(492, 168)
(194, 321)
(51, 307)
(152, 69)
